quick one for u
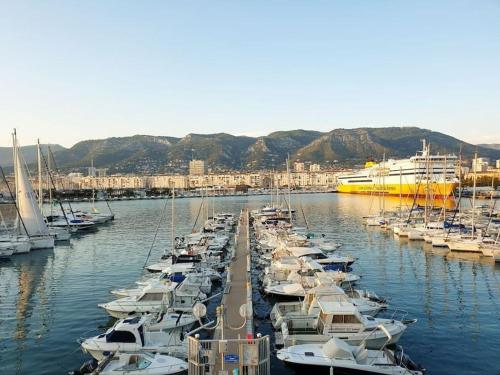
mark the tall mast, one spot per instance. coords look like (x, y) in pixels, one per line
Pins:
(474, 164)
(289, 191)
(92, 183)
(400, 190)
(40, 186)
(173, 218)
(14, 158)
(460, 187)
(445, 173)
(272, 186)
(426, 210)
(383, 187)
(49, 188)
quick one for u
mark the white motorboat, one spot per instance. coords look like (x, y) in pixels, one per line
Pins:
(338, 357)
(193, 280)
(155, 298)
(70, 221)
(95, 216)
(177, 272)
(340, 320)
(283, 311)
(298, 283)
(134, 335)
(141, 364)
(319, 256)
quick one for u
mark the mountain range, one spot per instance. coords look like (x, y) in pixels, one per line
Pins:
(29, 153)
(221, 152)
(494, 146)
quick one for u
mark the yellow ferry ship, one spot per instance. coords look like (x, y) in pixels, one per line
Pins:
(421, 175)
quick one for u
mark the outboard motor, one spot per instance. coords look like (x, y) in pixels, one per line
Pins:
(405, 361)
(87, 367)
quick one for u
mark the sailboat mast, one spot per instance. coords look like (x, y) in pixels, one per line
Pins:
(272, 186)
(474, 164)
(49, 188)
(460, 188)
(400, 190)
(173, 218)
(289, 191)
(12, 197)
(426, 210)
(40, 186)
(92, 183)
(383, 187)
(14, 158)
(445, 172)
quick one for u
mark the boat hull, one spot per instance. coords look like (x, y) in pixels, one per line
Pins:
(45, 242)
(301, 368)
(436, 189)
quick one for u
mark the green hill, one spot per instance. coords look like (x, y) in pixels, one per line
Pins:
(221, 151)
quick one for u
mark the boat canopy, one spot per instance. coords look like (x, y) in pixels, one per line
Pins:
(336, 348)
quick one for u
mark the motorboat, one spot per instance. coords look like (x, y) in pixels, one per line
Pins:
(134, 335)
(191, 279)
(155, 298)
(94, 216)
(298, 283)
(142, 363)
(340, 320)
(319, 256)
(71, 222)
(283, 311)
(337, 357)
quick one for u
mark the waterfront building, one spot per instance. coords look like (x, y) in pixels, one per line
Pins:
(298, 167)
(480, 164)
(196, 168)
(314, 168)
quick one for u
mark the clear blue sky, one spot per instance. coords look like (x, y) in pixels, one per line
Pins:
(73, 70)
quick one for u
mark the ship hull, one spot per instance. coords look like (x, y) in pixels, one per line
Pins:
(434, 189)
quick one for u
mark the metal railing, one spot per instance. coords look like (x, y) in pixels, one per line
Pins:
(250, 356)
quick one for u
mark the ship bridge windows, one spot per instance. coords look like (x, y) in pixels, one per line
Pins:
(120, 336)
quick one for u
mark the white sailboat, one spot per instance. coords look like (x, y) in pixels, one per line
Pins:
(12, 240)
(33, 222)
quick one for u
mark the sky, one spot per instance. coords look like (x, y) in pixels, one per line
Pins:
(75, 70)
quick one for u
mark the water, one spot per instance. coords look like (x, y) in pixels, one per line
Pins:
(48, 299)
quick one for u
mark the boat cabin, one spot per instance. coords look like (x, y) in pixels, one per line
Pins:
(339, 317)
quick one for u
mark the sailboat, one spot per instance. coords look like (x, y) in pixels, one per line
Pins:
(59, 234)
(29, 214)
(472, 243)
(12, 239)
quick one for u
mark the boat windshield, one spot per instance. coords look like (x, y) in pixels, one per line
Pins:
(135, 362)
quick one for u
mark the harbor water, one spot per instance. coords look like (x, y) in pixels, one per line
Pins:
(48, 298)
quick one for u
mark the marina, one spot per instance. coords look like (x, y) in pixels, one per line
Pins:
(249, 188)
(49, 297)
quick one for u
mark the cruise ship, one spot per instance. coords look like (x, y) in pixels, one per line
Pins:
(421, 175)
